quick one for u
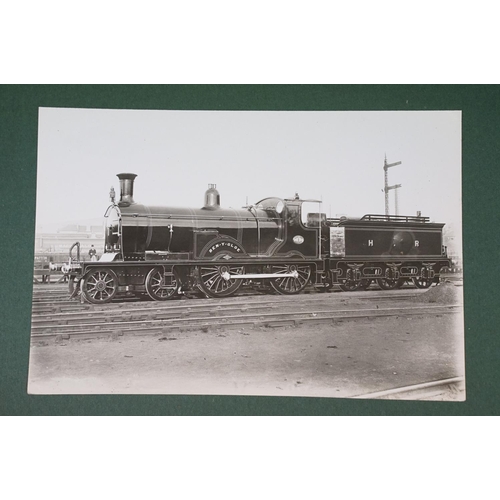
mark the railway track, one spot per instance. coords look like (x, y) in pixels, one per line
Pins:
(57, 318)
(57, 294)
(435, 390)
(50, 293)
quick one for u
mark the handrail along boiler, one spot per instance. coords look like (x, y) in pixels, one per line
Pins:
(166, 251)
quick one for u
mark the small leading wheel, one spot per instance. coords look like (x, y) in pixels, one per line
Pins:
(290, 285)
(161, 285)
(100, 285)
(390, 284)
(422, 282)
(214, 278)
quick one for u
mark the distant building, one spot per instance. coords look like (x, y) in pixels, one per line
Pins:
(62, 239)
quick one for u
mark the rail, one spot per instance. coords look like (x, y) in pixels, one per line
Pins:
(383, 218)
(395, 218)
(82, 320)
(427, 390)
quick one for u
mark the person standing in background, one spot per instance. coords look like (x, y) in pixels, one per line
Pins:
(92, 254)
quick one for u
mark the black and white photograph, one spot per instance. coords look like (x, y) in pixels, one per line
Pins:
(256, 253)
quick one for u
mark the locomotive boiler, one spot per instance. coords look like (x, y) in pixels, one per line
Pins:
(166, 251)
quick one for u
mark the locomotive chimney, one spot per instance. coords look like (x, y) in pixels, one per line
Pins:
(212, 198)
(126, 189)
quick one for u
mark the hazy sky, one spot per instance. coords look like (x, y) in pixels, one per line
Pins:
(336, 156)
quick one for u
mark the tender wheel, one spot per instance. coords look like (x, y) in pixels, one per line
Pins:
(348, 284)
(351, 285)
(390, 284)
(100, 286)
(365, 284)
(161, 285)
(213, 278)
(422, 282)
(289, 285)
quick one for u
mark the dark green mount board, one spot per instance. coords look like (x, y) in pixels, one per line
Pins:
(480, 107)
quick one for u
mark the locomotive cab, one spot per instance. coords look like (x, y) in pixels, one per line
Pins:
(294, 238)
(273, 206)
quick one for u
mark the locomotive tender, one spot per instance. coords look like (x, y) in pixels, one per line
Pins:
(165, 251)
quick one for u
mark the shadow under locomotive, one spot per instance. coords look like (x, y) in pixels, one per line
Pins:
(167, 251)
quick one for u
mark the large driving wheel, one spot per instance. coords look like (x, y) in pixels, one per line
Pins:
(290, 285)
(100, 286)
(214, 278)
(161, 285)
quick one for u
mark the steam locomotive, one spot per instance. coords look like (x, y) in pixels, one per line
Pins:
(166, 251)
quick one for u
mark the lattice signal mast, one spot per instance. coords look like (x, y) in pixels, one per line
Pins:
(387, 188)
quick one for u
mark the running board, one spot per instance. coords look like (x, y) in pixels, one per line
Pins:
(228, 276)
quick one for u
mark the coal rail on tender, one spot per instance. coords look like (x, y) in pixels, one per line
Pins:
(274, 245)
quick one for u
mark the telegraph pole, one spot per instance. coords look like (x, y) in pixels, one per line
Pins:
(387, 188)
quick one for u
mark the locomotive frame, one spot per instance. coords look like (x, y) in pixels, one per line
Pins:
(164, 251)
